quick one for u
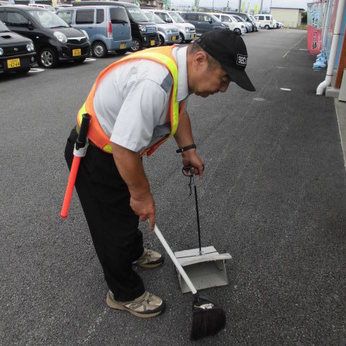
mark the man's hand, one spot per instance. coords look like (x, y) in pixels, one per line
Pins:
(144, 207)
(192, 159)
(130, 167)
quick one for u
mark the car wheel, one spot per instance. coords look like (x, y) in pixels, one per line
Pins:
(237, 31)
(161, 41)
(181, 38)
(121, 51)
(136, 45)
(98, 49)
(48, 58)
(266, 27)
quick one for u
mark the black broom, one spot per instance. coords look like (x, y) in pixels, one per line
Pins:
(208, 318)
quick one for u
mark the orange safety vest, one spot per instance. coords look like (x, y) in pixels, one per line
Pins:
(161, 55)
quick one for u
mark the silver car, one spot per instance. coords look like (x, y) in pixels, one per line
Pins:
(187, 31)
(168, 33)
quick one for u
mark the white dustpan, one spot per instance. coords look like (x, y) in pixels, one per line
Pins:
(205, 266)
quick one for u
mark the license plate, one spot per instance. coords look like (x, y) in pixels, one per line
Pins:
(76, 52)
(193, 36)
(13, 63)
(174, 38)
(122, 45)
(152, 42)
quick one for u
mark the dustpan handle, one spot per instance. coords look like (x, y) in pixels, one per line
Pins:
(174, 259)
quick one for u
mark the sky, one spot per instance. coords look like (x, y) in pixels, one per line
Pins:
(233, 4)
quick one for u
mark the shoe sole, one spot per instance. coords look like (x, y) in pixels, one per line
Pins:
(114, 305)
(149, 266)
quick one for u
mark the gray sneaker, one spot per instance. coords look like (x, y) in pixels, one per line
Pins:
(150, 259)
(145, 306)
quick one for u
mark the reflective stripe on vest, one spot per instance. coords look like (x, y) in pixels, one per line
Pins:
(161, 55)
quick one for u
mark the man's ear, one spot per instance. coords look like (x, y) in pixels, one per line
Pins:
(200, 58)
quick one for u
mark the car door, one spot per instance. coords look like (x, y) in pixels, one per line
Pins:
(193, 19)
(120, 23)
(205, 22)
(85, 19)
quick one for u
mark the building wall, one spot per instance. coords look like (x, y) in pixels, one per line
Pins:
(290, 17)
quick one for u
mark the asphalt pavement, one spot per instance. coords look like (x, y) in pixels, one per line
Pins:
(273, 196)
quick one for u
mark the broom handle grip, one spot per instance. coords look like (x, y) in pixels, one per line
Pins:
(175, 261)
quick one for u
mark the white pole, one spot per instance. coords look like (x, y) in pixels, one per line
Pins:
(323, 85)
(174, 260)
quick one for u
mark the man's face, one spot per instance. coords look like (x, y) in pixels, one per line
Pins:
(206, 78)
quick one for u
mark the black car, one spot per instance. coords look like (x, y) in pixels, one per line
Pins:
(17, 53)
(54, 40)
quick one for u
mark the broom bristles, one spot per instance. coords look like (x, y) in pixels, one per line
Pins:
(207, 320)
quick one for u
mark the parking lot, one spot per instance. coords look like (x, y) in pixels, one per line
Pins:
(273, 196)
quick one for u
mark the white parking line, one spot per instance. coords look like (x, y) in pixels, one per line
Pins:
(260, 99)
(285, 89)
(36, 70)
(294, 46)
(90, 59)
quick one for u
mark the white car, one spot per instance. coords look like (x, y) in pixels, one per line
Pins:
(248, 25)
(265, 20)
(234, 25)
(187, 31)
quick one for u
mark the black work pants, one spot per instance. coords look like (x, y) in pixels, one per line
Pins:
(113, 225)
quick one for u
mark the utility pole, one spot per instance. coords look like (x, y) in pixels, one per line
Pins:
(239, 6)
(261, 8)
(196, 5)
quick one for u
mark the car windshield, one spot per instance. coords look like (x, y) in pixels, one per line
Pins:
(137, 14)
(239, 19)
(48, 19)
(3, 27)
(215, 19)
(154, 18)
(226, 19)
(176, 17)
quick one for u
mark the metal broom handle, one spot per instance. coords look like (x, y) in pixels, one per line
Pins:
(197, 214)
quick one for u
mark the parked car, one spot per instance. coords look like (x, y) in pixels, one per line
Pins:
(54, 40)
(247, 18)
(203, 21)
(44, 6)
(168, 33)
(231, 22)
(144, 32)
(279, 24)
(187, 31)
(17, 53)
(255, 21)
(248, 25)
(108, 27)
(265, 20)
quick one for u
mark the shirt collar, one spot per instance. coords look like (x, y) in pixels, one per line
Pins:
(180, 54)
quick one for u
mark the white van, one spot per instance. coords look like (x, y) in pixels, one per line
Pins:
(265, 21)
(187, 31)
(231, 22)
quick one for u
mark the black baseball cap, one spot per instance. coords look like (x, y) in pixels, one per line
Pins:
(230, 51)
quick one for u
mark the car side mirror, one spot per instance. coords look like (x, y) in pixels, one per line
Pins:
(210, 21)
(169, 20)
(30, 26)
